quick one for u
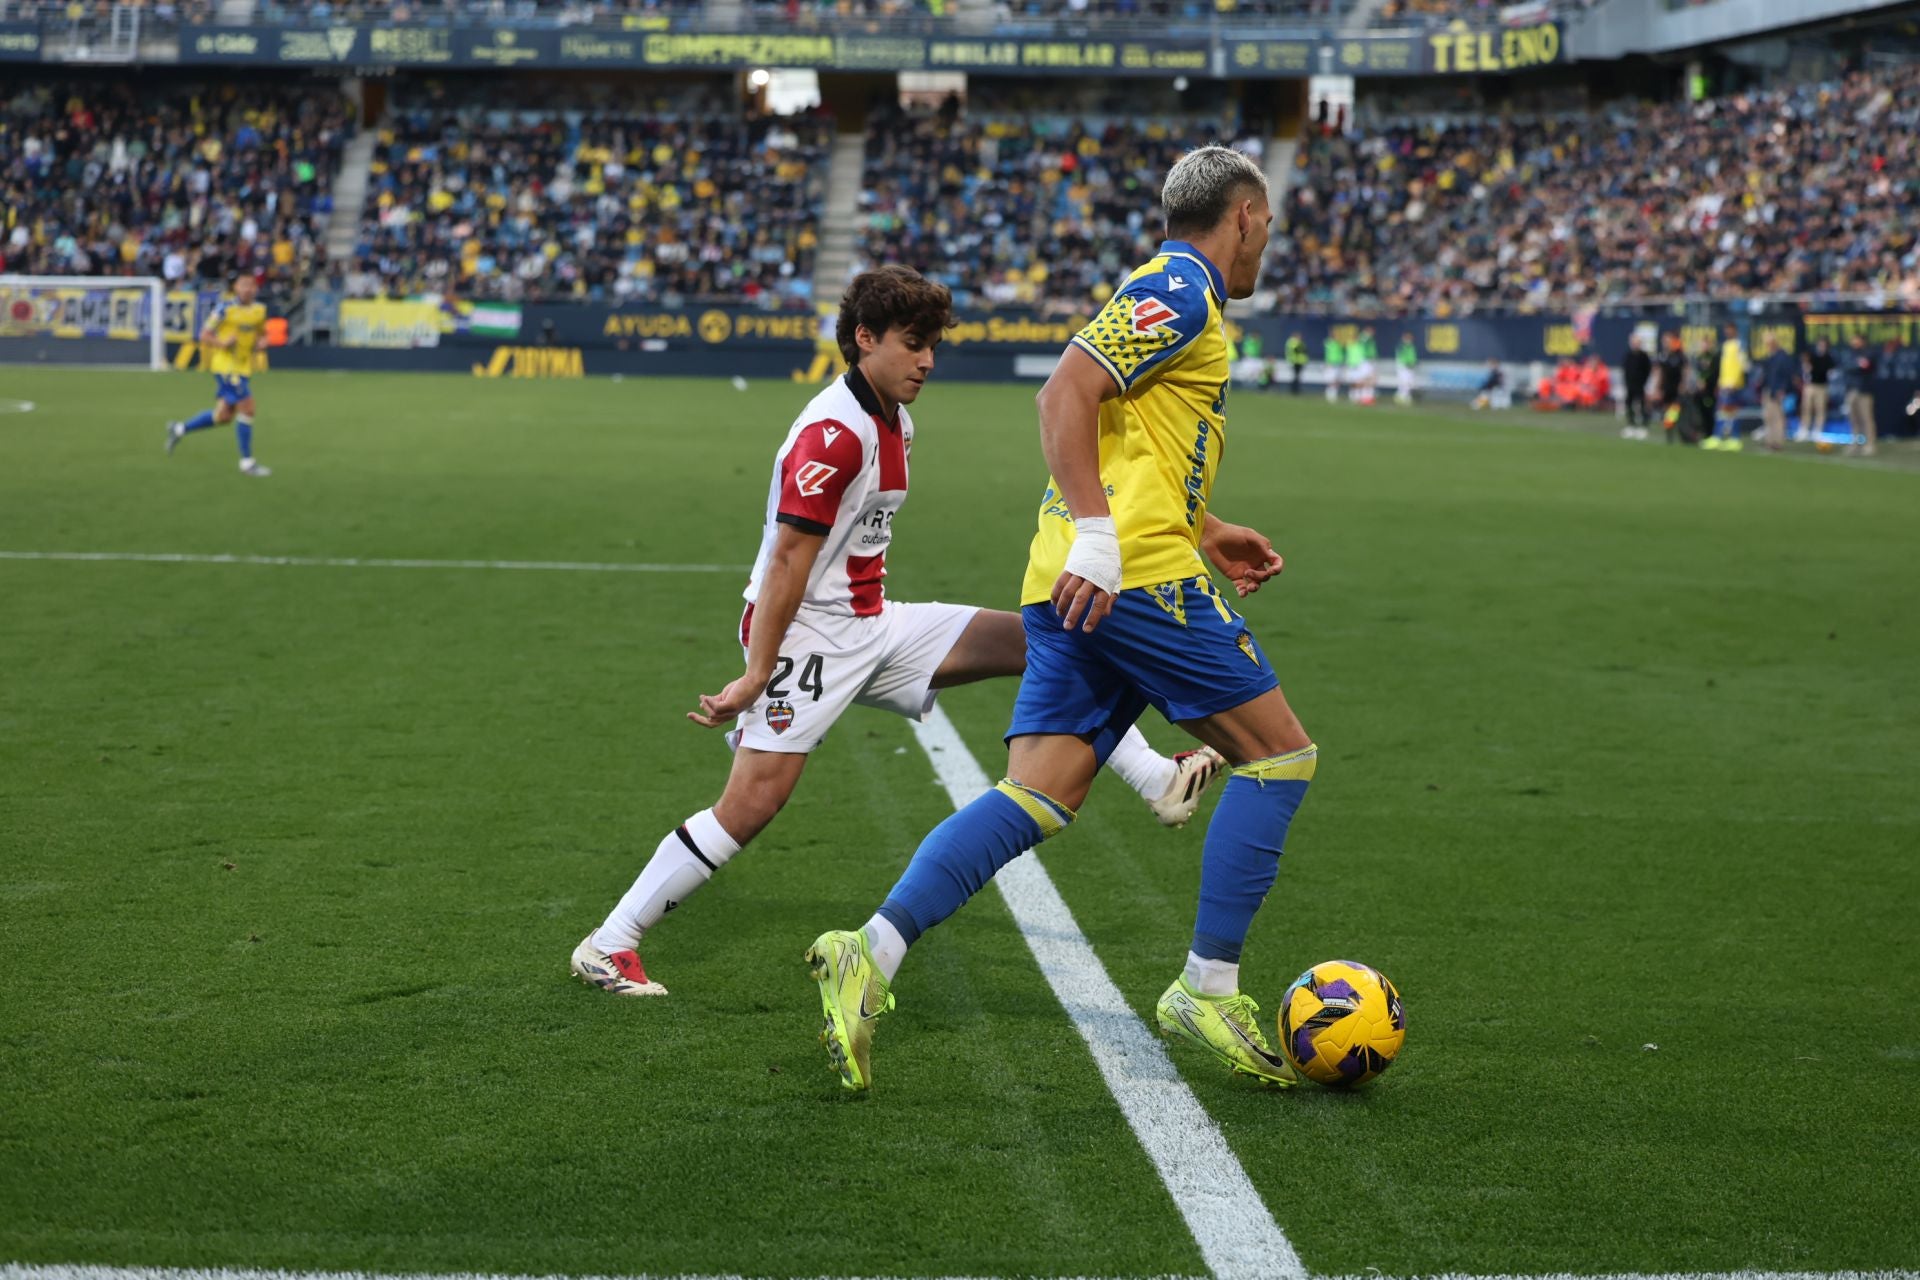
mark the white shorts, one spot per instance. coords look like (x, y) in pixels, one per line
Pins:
(1362, 372)
(829, 662)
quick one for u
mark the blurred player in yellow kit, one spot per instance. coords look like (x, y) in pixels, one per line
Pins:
(231, 335)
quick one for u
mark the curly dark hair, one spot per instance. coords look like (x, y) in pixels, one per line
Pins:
(892, 297)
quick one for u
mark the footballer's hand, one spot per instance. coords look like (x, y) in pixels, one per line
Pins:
(718, 710)
(1078, 601)
(1244, 555)
(1083, 593)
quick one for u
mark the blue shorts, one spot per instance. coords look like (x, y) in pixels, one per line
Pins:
(1177, 647)
(231, 388)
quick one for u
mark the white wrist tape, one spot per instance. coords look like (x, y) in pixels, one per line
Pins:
(1095, 554)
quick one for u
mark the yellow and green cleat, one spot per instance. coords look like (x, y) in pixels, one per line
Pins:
(1228, 1027)
(852, 996)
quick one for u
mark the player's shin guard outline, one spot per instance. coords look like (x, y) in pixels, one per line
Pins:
(959, 856)
(1241, 857)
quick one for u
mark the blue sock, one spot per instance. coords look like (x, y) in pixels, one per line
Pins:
(200, 420)
(1241, 858)
(243, 431)
(960, 855)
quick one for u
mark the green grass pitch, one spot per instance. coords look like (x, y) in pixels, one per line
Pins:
(1618, 751)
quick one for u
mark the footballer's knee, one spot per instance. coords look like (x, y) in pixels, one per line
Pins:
(1049, 814)
(1060, 767)
(1256, 730)
(757, 790)
(743, 818)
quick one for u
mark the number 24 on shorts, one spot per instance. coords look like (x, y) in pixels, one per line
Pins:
(809, 677)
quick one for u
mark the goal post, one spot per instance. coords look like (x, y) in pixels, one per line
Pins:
(85, 320)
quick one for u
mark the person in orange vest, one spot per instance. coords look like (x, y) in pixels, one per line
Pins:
(1596, 383)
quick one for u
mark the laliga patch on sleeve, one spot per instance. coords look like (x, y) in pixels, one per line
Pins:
(811, 480)
(1150, 313)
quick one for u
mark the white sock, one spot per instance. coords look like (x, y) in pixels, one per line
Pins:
(1212, 977)
(685, 860)
(888, 947)
(1143, 768)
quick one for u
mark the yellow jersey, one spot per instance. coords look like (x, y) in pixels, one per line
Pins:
(244, 324)
(1162, 338)
(1733, 365)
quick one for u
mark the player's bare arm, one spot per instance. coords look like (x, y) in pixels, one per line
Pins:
(1069, 406)
(1244, 555)
(794, 552)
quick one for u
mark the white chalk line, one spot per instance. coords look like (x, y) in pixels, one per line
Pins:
(1235, 1230)
(16, 406)
(365, 562)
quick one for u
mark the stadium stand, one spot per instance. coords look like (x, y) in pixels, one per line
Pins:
(1478, 13)
(1162, 10)
(155, 15)
(181, 181)
(1036, 211)
(323, 12)
(1806, 190)
(552, 205)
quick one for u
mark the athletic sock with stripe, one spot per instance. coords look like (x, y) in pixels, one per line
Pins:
(685, 860)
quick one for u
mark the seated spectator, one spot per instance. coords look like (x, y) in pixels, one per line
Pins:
(175, 179)
(559, 205)
(1800, 190)
(1044, 213)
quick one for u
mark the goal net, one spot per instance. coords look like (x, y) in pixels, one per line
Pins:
(98, 320)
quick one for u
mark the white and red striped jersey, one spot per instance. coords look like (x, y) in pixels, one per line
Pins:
(842, 473)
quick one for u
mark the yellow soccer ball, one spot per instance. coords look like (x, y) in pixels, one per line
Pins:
(1342, 1024)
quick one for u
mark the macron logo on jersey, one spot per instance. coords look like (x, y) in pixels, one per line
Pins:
(1150, 313)
(830, 434)
(811, 480)
(1175, 283)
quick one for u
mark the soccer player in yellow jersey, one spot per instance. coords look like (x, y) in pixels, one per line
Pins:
(231, 336)
(1733, 380)
(1121, 613)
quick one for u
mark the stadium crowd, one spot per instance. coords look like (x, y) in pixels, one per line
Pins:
(322, 12)
(1033, 211)
(557, 205)
(160, 14)
(1812, 189)
(185, 182)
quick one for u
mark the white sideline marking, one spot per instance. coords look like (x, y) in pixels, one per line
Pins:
(356, 562)
(16, 406)
(1232, 1225)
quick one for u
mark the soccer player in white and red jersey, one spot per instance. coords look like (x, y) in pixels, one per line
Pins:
(819, 632)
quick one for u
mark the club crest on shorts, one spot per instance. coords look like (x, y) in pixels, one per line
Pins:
(779, 716)
(1245, 642)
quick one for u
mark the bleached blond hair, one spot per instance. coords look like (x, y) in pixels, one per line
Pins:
(1203, 185)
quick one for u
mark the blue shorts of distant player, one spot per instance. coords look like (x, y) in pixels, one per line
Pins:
(232, 388)
(1177, 647)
